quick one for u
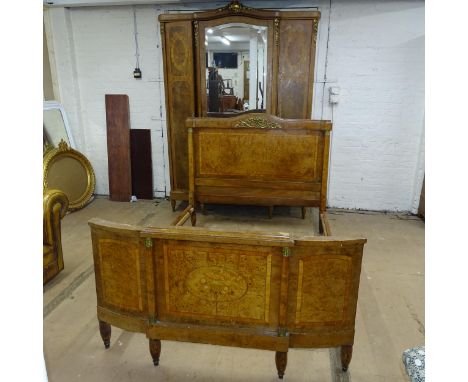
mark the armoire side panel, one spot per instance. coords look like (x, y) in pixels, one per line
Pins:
(296, 68)
(180, 85)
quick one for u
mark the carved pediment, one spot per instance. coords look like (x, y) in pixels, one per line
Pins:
(235, 6)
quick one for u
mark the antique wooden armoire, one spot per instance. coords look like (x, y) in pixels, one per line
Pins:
(291, 39)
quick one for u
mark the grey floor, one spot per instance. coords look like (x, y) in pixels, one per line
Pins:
(390, 316)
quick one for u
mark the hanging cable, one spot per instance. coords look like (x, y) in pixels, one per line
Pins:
(137, 71)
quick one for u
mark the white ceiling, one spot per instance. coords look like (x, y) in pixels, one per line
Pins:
(216, 4)
(90, 3)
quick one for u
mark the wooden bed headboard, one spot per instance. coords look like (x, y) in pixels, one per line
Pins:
(258, 159)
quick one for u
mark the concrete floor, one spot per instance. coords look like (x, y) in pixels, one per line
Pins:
(390, 315)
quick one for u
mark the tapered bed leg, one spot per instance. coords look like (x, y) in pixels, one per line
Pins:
(270, 212)
(303, 212)
(346, 354)
(173, 202)
(202, 208)
(193, 218)
(155, 350)
(105, 330)
(281, 359)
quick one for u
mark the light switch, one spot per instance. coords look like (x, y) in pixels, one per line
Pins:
(334, 94)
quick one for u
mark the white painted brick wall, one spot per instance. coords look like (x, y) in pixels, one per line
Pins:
(373, 51)
(376, 57)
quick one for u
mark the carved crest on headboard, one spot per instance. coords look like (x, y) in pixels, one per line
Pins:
(258, 123)
(235, 6)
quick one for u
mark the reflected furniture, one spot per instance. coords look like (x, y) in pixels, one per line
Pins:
(290, 46)
(55, 204)
(250, 290)
(70, 171)
(227, 103)
(258, 159)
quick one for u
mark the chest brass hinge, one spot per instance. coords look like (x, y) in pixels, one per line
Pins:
(286, 252)
(148, 242)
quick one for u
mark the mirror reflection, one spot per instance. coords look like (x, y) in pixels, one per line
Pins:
(236, 67)
(55, 126)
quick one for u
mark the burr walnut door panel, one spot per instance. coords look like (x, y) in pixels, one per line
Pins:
(180, 102)
(296, 68)
(221, 284)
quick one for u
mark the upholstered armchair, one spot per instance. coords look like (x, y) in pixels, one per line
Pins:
(55, 205)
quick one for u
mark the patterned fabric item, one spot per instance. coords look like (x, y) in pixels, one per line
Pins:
(413, 360)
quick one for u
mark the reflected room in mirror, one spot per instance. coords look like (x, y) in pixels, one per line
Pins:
(236, 68)
(55, 126)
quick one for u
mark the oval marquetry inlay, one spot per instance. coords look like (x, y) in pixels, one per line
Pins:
(216, 284)
(178, 52)
(295, 55)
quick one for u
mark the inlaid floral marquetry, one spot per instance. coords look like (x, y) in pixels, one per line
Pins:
(217, 284)
(179, 51)
(222, 282)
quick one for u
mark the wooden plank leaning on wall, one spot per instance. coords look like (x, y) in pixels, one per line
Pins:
(118, 147)
(142, 165)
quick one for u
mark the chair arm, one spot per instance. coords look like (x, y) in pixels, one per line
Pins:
(55, 205)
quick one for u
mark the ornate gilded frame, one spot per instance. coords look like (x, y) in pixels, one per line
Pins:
(63, 150)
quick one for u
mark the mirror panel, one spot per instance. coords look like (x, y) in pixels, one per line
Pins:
(236, 68)
(55, 126)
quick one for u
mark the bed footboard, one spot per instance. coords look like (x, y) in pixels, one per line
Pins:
(252, 290)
